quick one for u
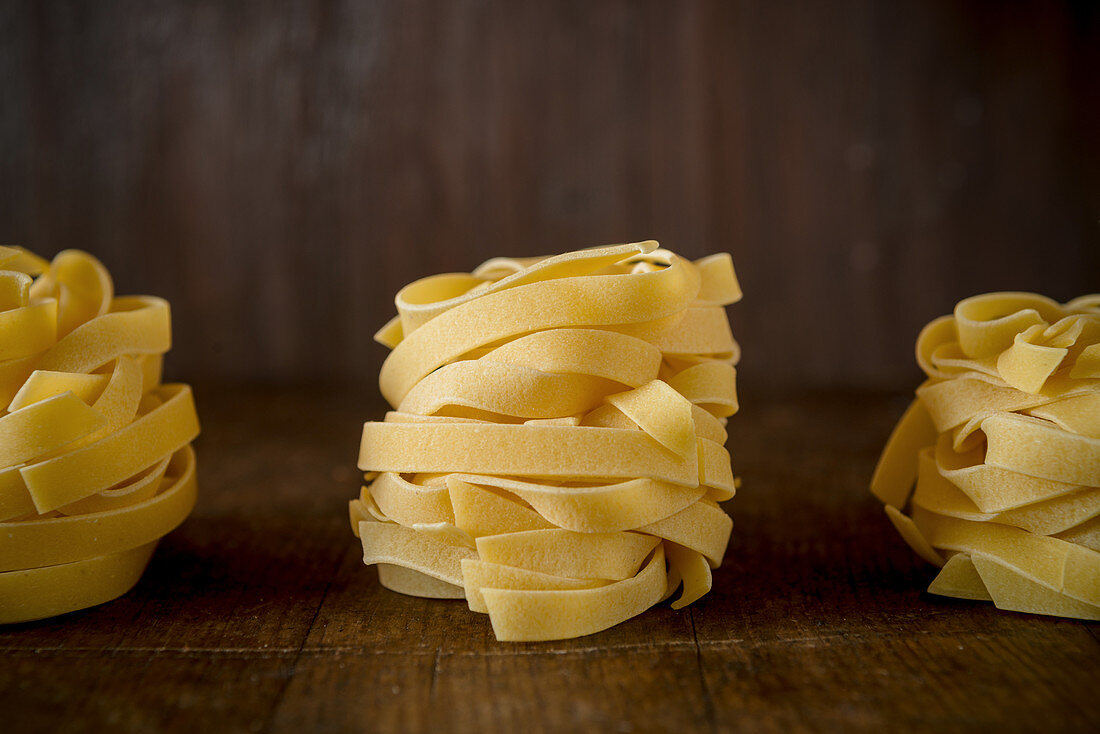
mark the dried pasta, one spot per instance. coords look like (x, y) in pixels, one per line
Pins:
(95, 457)
(993, 473)
(555, 453)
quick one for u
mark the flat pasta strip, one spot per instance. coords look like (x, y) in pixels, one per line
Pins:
(991, 488)
(590, 300)
(478, 575)
(45, 427)
(693, 569)
(555, 454)
(591, 508)
(388, 542)
(522, 615)
(1049, 517)
(39, 593)
(407, 581)
(95, 458)
(1008, 589)
(614, 556)
(960, 578)
(1003, 447)
(505, 389)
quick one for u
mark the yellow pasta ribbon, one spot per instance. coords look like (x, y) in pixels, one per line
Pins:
(95, 457)
(993, 473)
(555, 453)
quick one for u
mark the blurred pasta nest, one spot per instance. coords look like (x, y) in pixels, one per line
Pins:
(555, 453)
(95, 457)
(1003, 445)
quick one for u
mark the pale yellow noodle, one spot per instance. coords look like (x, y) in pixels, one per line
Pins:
(95, 457)
(555, 454)
(1003, 447)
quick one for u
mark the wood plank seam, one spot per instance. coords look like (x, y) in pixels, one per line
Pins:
(435, 674)
(245, 653)
(708, 697)
(278, 698)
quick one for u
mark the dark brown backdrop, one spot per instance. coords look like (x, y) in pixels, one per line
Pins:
(278, 170)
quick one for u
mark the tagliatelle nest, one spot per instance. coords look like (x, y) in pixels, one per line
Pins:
(1003, 443)
(555, 453)
(95, 461)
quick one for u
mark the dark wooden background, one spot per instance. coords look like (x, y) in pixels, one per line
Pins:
(277, 170)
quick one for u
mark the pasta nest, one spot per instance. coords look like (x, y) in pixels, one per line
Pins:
(1003, 445)
(95, 457)
(555, 450)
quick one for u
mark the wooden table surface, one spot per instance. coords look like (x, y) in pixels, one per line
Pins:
(257, 614)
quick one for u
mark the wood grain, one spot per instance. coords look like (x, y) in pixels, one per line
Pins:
(257, 614)
(278, 170)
